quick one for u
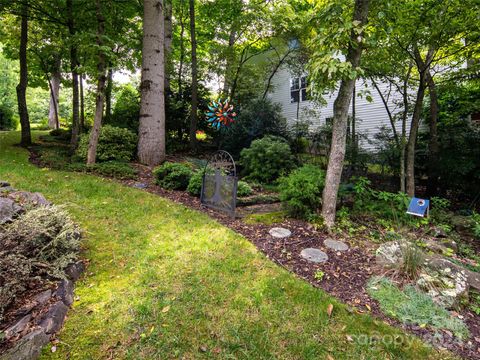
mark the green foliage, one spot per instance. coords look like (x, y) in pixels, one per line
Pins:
(61, 134)
(256, 119)
(195, 184)
(319, 274)
(173, 176)
(114, 143)
(269, 218)
(476, 224)
(243, 189)
(7, 119)
(301, 191)
(41, 242)
(267, 159)
(413, 259)
(474, 304)
(126, 111)
(114, 169)
(411, 306)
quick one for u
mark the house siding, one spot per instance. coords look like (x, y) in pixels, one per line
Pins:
(370, 115)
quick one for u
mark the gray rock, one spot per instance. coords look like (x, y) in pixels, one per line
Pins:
(7, 189)
(438, 246)
(42, 298)
(438, 232)
(437, 263)
(314, 255)
(18, 327)
(447, 286)
(28, 197)
(28, 348)
(8, 210)
(389, 254)
(280, 233)
(65, 291)
(53, 320)
(75, 270)
(4, 183)
(140, 185)
(335, 245)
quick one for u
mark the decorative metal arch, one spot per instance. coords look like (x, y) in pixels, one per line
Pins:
(219, 185)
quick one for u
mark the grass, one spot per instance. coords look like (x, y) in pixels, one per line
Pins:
(268, 218)
(413, 307)
(165, 281)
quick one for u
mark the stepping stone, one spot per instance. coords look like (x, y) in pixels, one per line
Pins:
(314, 255)
(140, 185)
(280, 233)
(335, 245)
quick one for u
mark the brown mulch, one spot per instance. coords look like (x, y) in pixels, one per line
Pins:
(345, 273)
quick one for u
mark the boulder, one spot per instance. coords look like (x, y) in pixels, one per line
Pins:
(75, 270)
(65, 292)
(447, 286)
(28, 348)
(19, 326)
(436, 262)
(30, 198)
(441, 246)
(389, 254)
(53, 320)
(462, 224)
(8, 210)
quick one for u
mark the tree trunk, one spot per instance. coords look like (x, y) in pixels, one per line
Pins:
(74, 70)
(230, 57)
(182, 51)
(26, 137)
(433, 146)
(82, 103)
(422, 67)
(168, 43)
(151, 141)
(340, 117)
(194, 105)
(53, 121)
(97, 122)
(412, 138)
(403, 142)
(108, 94)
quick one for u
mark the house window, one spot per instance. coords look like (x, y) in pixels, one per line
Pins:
(298, 89)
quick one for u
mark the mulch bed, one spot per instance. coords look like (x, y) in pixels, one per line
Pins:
(345, 273)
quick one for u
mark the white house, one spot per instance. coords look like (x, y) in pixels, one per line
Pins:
(370, 113)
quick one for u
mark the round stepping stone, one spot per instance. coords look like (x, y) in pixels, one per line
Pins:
(335, 245)
(280, 233)
(314, 255)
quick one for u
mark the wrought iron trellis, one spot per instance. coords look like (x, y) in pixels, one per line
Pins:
(219, 185)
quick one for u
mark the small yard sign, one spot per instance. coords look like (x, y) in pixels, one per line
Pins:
(418, 207)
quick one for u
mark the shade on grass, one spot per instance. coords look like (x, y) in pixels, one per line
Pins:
(165, 282)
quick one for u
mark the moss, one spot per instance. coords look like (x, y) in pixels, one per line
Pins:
(266, 218)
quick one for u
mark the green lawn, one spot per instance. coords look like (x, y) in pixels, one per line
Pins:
(166, 282)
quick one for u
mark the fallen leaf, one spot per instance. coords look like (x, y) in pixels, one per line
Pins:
(203, 348)
(368, 307)
(330, 357)
(329, 309)
(54, 348)
(349, 338)
(165, 309)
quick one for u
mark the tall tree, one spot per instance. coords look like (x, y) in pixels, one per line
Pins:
(26, 138)
(101, 65)
(151, 141)
(194, 103)
(74, 70)
(54, 85)
(340, 114)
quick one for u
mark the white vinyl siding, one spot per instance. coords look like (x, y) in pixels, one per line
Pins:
(370, 116)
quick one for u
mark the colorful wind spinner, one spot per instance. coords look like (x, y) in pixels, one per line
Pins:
(220, 113)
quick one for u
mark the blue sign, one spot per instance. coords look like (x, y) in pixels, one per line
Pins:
(418, 207)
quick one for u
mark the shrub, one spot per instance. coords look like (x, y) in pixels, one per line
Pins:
(256, 119)
(266, 159)
(173, 176)
(7, 119)
(195, 184)
(476, 224)
(301, 191)
(126, 111)
(61, 134)
(115, 169)
(113, 144)
(243, 189)
(413, 259)
(44, 236)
